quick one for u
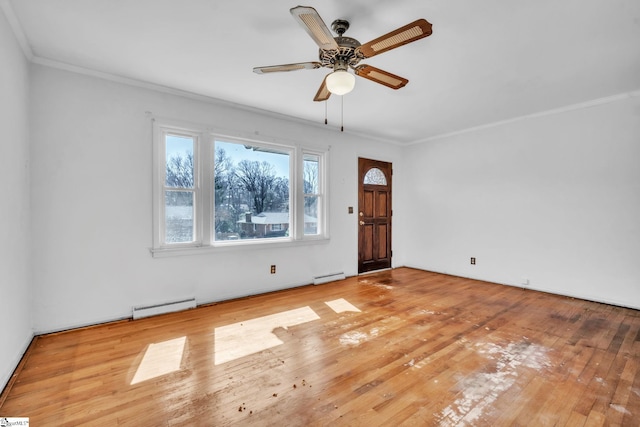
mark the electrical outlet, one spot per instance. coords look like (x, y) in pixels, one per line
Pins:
(273, 269)
(473, 261)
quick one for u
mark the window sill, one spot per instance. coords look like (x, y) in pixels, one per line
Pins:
(166, 252)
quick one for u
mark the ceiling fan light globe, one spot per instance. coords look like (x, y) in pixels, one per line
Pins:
(340, 82)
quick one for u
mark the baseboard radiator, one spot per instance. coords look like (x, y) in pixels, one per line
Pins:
(328, 278)
(168, 307)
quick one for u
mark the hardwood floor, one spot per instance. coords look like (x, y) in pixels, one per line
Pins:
(400, 347)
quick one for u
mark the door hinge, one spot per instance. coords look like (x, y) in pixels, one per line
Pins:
(391, 253)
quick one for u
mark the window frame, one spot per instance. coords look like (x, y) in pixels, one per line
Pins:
(204, 198)
(160, 187)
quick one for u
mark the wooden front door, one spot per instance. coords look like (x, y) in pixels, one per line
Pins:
(374, 215)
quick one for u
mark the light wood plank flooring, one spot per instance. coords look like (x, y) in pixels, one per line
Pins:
(400, 347)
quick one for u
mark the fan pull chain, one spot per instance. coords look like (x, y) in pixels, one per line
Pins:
(342, 114)
(326, 102)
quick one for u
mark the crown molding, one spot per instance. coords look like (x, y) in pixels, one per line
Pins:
(16, 27)
(560, 110)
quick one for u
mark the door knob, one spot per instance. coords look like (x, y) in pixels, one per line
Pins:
(361, 214)
(361, 222)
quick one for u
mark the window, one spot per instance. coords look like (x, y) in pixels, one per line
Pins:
(179, 189)
(215, 191)
(312, 196)
(252, 189)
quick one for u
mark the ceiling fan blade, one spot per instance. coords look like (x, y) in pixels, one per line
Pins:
(315, 26)
(287, 67)
(380, 76)
(323, 92)
(409, 33)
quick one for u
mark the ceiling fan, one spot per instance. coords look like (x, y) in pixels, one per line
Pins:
(341, 53)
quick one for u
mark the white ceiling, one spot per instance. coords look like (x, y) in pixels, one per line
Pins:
(487, 61)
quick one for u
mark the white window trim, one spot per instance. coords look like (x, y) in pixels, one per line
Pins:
(204, 209)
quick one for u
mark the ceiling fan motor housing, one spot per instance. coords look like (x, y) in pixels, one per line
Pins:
(345, 56)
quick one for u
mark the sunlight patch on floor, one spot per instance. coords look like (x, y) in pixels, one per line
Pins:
(342, 305)
(160, 359)
(254, 335)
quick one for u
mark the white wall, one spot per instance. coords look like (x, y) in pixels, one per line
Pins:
(91, 184)
(15, 297)
(554, 199)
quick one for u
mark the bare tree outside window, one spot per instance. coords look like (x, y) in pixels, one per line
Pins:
(252, 192)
